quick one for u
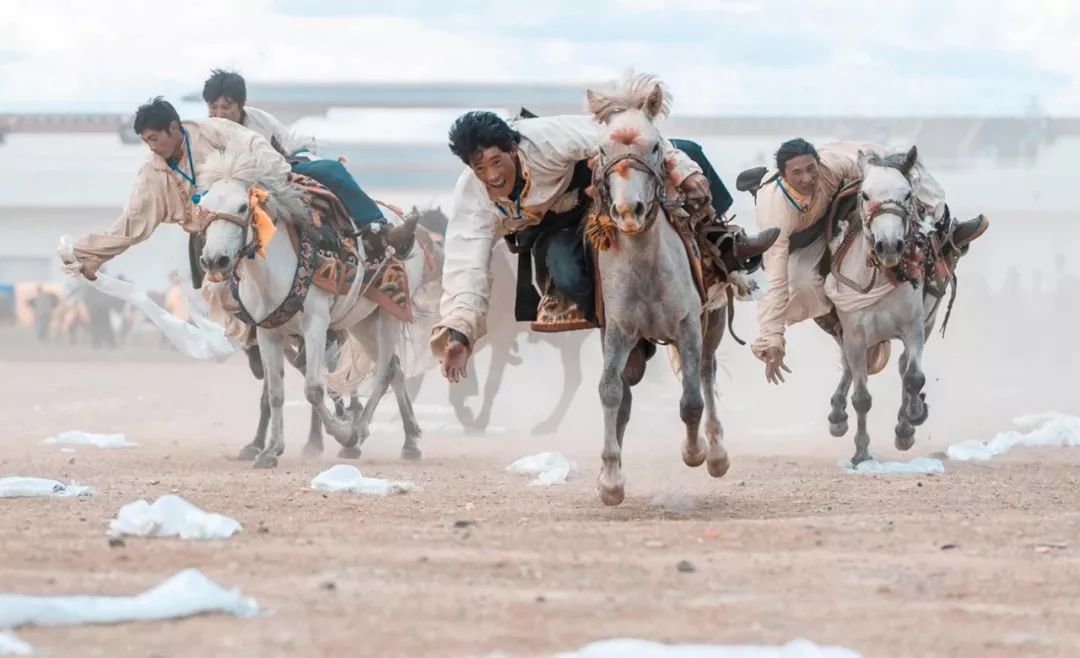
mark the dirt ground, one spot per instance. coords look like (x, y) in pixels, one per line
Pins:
(786, 545)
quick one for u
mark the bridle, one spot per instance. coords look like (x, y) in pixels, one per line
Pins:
(603, 170)
(250, 240)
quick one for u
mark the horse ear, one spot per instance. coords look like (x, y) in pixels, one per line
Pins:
(862, 158)
(909, 160)
(596, 101)
(654, 103)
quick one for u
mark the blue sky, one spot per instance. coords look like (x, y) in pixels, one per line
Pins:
(719, 56)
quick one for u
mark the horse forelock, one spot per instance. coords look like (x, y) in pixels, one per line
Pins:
(627, 136)
(632, 92)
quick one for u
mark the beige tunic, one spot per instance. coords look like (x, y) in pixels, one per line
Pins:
(162, 196)
(549, 149)
(275, 132)
(796, 291)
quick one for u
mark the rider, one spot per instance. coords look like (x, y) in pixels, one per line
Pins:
(795, 198)
(527, 183)
(167, 190)
(225, 93)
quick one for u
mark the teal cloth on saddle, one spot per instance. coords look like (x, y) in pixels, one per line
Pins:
(336, 178)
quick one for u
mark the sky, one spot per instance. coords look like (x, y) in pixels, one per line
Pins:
(718, 56)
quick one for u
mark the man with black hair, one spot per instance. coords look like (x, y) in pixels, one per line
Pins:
(225, 93)
(795, 197)
(526, 183)
(167, 190)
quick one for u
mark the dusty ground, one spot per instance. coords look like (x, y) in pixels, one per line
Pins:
(785, 546)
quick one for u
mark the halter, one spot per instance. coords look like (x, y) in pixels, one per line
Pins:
(305, 255)
(903, 210)
(603, 193)
(208, 217)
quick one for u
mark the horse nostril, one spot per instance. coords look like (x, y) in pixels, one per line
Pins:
(221, 262)
(614, 211)
(879, 247)
(899, 246)
(639, 208)
(202, 261)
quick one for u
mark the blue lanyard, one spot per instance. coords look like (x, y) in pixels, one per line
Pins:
(195, 198)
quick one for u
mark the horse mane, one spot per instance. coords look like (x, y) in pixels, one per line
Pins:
(237, 162)
(632, 91)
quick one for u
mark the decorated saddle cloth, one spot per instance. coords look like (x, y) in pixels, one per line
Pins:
(337, 261)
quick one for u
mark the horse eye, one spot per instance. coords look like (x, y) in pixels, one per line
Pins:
(243, 207)
(865, 196)
(656, 148)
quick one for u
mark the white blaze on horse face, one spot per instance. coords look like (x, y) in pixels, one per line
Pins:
(633, 191)
(887, 231)
(224, 239)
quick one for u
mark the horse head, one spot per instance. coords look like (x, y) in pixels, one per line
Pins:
(629, 173)
(887, 203)
(239, 201)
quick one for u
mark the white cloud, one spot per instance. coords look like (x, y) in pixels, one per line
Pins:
(738, 56)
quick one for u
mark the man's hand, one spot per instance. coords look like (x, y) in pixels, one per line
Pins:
(775, 366)
(68, 262)
(455, 360)
(696, 187)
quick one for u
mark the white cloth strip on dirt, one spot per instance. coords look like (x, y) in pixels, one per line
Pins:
(622, 648)
(344, 477)
(25, 487)
(546, 468)
(77, 438)
(11, 645)
(169, 516)
(187, 593)
(919, 465)
(1049, 429)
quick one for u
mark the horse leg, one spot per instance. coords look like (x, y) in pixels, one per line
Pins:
(617, 345)
(316, 321)
(691, 404)
(571, 363)
(838, 417)
(855, 355)
(410, 450)
(251, 450)
(387, 329)
(717, 458)
(913, 407)
(272, 349)
(500, 358)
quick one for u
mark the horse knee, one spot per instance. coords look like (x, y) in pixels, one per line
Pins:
(611, 391)
(914, 381)
(314, 393)
(861, 401)
(691, 407)
(277, 400)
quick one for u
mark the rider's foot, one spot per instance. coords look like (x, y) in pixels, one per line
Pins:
(966, 232)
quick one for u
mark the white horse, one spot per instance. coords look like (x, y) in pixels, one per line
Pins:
(648, 287)
(267, 290)
(872, 303)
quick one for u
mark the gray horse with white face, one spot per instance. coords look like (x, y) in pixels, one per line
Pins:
(648, 287)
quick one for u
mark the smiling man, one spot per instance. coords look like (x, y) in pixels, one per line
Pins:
(795, 199)
(527, 183)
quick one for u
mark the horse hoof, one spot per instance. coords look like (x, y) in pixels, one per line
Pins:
(694, 456)
(860, 457)
(312, 451)
(718, 467)
(838, 429)
(249, 452)
(265, 461)
(905, 437)
(411, 453)
(612, 496)
(349, 452)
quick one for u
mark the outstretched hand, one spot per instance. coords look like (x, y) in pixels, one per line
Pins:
(455, 361)
(775, 366)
